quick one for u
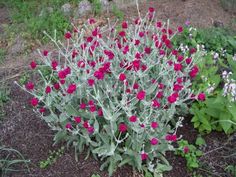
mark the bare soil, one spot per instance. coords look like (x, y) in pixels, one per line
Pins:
(23, 130)
(200, 13)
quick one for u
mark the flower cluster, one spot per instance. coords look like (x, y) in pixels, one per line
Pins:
(229, 86)
(117, 91)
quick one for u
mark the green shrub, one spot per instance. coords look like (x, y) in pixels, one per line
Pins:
(217, 112)
(213, 39)
(47, 22)
(190, 152)
(34, 17)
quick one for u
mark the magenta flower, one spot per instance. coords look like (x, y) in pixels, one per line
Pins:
(141, 95)
(154, 141)
(144, 156)
(123, 127)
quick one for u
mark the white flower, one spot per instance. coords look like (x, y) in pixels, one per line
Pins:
(230, 86)
(216, 55)
(204, 78)
(234, 57)
(224, 74)
(211, 88)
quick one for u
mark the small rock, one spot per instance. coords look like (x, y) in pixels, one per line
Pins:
(84, 8)
(218, 23)
(45, 11)
(66, 9)
(124, 3)
(105, 5)
(18, 46)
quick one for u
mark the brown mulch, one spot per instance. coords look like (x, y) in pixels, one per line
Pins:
(200, 13)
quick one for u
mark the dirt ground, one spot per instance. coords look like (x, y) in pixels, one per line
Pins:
(23, 130)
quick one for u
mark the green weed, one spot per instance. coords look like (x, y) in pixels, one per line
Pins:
(33, 17)
(4, 97)
(2, 55)
(52, 158)
(10, 160)
(118, 13)
(190, 152)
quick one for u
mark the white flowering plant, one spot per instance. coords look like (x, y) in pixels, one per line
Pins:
(218, 81)
(218, 44)
(115, 93)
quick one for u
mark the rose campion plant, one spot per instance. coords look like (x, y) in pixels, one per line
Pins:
(114, 93)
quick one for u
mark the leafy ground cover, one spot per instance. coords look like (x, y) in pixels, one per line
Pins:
(34, 17)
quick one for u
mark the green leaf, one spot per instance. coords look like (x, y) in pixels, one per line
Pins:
(216, 103)
(151, 89)
(224, 121)
(232, 109)
(84, 115)
(93, 143)
(63, 117)
(81, 144)
(105, 164)
(111, 167)
(231, 63)
(207, 127)
(161, 168)
(104, 137)
(232, 42)
(101, 150)
(199, 153)
(60, 135)
(196, 124)
(215, 79)
(115, 116)
(194, 164)
(200, 141)
(105, 150)
(96, 126)
(205, 123)
(125, 161)
(195, 119)
(95, 175)
(148, 174)
(231, 169)
(51, 118)
(212, 111)
(71, 110)
(112, 149)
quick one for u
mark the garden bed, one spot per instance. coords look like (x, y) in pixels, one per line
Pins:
(23, 130)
